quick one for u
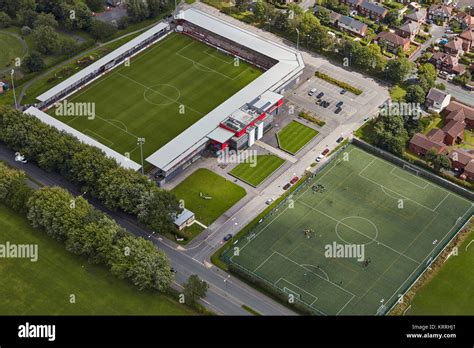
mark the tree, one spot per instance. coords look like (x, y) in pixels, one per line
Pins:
(398, 69)
(242, 5)
(323, 16)
(46, 19)
(390, 133)
(194, 289)
(158, 209)
(101, 30)
(426, 76)
(95, 5)
(137, 10)
(392, 18)
(155, 7)
(415, 94)
(441, 162)
(14, 191)
(34, 62)
(46, 39)
(78, 16)
(5, 20)
(260, 10)
(27, 17)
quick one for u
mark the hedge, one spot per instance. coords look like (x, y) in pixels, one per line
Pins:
(336, 82)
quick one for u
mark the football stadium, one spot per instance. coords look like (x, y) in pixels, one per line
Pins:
(174, 93)
(352, 238)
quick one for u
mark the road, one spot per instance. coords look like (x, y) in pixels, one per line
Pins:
(436, 33)
(224, 297)
(461, 94)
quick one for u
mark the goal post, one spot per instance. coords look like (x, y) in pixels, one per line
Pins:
(411, 169)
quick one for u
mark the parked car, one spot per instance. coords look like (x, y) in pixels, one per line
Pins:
(320, 95)
(318, 102)
(227, 237)
(340, 104)
(338, 110)
(312, 91)
(325, 104)
(319, 158)
(339, 140)
(269, 201)
(286, 187)
(294, 180)
(325, 152)
(343, 91)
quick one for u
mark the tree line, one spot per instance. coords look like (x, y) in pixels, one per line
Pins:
(86, 231)
(89, 169)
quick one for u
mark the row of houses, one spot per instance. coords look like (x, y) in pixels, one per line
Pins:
(368, 9)
(457, 118)
(345, 22)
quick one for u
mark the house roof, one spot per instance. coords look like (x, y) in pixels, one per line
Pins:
(469, 168)
(417, 15)
(410, 27)
(436, 95)
(354, 2)
(468, 34)
(456, 110)
(455, 44)
(441, 8)
(454, 128)
(393, 38)
(465, 18)
(436, 135)
(333, 16)
(445, 58)
(183, 217)
(422, 141)
(370, 6)
(463, 157)
(353, 24)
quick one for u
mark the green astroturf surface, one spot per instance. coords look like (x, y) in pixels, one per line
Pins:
(255, 173)
(400, 219)
(166, 89)
(294, 136)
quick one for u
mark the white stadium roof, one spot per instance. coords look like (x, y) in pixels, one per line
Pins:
(122, 160)
(101, 62)
(289, 64)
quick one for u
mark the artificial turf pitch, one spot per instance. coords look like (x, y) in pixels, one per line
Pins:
(295, 136)
(401, 219)
(166, 89)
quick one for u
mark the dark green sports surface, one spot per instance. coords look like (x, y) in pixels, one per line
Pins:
(166, 89)
(398, 219)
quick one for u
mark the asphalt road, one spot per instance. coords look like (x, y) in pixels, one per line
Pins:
(226, 294)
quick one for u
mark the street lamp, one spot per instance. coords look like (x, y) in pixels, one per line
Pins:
(141, 141)
(297, 39)
(13, 87)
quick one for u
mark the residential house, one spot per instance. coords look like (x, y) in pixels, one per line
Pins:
(421, 144)
(372, 10)
(465, 19)
(413, 5)
(408, 30)
(437, 100)
(353, 4)
(468, 173)
(454, 132)
(467, 37)
(446, 62)
(392, 42)
(352, 25)
(440, 12)
(454, 46)
(461, 113)
(418, 16)
(460, 158)
(333, 16)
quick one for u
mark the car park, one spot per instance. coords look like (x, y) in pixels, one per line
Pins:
(312, 91)
(286, 187)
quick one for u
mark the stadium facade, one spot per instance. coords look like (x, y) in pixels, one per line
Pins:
(236, 123)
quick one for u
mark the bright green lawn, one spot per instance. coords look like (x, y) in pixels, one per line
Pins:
(294, 136)
(255, 174)
(451, 291)
(166, 89)
(10, 48)
(224, 195)
(44, 287)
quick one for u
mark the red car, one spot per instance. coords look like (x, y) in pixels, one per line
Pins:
(325, 152)
(294, 180)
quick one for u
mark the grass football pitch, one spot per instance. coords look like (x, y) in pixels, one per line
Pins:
(166, 89)
(255, 174)
(45, 287)
(295, 136)
(399, 220)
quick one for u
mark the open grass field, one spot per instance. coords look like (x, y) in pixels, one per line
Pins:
(10, 48)
(294, 136)
(255, 174)
(166, 89)
(397, 221)
(450, 291)
(44, 287)
(223, 193)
